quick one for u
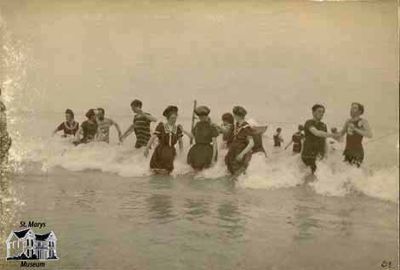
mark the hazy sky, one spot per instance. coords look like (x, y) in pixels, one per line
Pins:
(276, 58)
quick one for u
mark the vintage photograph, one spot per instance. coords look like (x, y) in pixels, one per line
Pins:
(199, 134)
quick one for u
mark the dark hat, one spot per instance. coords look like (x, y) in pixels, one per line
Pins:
(90, 113)
(170, 110)
(301, 127)
(202, 110)
(239, 110)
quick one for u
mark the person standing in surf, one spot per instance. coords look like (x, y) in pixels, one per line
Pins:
(226, 128)
(297, 140)
(5, 139)
(69, 127)
(277, 137)
(239, 154)
(141, 125)
(168, 134)
(103, 127)
(88, 129)
(204, 152)
(356, 128)
(315, 133)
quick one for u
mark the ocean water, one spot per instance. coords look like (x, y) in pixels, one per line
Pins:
(275, 58)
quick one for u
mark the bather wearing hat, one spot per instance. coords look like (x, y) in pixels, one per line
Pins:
(240, 150)
(202, 154)
(168, 134)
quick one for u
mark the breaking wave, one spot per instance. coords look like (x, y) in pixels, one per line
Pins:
(280, 169)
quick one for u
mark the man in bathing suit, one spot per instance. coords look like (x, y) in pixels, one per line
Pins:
(103, 127)
(141, 125)
(356, 128)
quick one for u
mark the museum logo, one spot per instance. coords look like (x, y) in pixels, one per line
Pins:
(26, 245)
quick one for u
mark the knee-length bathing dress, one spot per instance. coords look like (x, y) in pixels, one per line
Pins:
(165, 152)
(239, 143)
(201, 154)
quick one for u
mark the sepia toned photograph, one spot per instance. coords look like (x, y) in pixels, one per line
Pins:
(199, 134)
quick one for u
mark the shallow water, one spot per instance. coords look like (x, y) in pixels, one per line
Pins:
(104, 221)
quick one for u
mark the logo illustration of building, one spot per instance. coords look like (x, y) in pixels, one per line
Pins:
(26, 245)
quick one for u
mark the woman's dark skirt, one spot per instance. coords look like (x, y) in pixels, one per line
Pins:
(200, 156)
(163, 158)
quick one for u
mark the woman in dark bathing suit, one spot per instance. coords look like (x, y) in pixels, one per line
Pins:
(168, 134)
(204, 152)
(88, 129)
(240, 150)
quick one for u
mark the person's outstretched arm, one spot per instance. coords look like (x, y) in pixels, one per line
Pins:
(118, 130)
(289, 144)
(322, 134)
(127, 133)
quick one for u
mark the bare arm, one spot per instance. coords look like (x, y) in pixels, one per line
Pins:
(214, 155)
(248, 148)
(289, 144)
(365, 130)
(187, 133)
(118, 130)
(127, 132)
(149, 144)
(320, 133)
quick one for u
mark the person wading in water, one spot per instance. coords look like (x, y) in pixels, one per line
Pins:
(278, 138)
(240, 150)
(103, 127)
(315, 132)
(297, 140)
(168, 134)
(88, 129)
(69, 127)
(356, 128)
(141, 125)
(204, 152)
